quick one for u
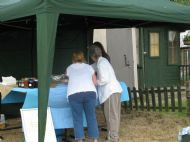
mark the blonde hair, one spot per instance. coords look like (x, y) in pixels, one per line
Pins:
(78, 57)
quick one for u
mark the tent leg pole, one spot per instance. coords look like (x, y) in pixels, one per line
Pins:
(46, 35)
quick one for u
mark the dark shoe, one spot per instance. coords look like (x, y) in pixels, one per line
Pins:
(104, 129)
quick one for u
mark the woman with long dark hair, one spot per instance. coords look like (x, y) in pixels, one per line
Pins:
(104, 54)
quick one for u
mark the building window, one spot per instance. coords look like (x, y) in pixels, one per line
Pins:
(154, 44)
(172, 47)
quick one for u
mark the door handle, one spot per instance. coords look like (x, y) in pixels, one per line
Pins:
(145, 53)
(125, 60)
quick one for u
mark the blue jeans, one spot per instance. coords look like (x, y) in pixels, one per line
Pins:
(84, 102)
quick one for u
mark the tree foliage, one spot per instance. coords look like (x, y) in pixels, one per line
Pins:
(186, 2)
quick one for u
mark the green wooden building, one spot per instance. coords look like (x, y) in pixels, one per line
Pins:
(159, 54)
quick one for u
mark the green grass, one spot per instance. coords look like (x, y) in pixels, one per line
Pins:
(176, 113)
(169, 112)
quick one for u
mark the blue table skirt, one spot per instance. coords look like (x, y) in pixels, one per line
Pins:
(58, 103)
(14, 97)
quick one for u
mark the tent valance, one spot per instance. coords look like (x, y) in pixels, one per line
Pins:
(149, 10)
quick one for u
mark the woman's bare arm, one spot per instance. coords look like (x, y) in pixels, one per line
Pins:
(94, 79)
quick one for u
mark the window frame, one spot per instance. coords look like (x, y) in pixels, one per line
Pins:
(177, 49)
(154, 57)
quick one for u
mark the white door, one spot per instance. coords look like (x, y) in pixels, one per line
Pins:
(121, 46)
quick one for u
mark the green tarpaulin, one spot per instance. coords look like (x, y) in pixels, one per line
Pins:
(152, 10)
(47, 13)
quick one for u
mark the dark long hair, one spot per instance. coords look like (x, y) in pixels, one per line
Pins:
(104, 54)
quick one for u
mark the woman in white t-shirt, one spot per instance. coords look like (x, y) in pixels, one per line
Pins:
(82, 96)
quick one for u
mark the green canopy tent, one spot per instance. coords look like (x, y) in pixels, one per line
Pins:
(48, 11)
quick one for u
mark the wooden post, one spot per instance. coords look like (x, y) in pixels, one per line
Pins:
(147, 99)
(130, 100)
(172, 99)
(153, 99)
(135, 98)
(166, 98)
(186, 73)
(188, 97)
(179, 99)
(159, 99)
(183, 75)
(141, 98)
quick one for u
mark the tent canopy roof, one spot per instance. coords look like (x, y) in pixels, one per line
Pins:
(147, 10)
